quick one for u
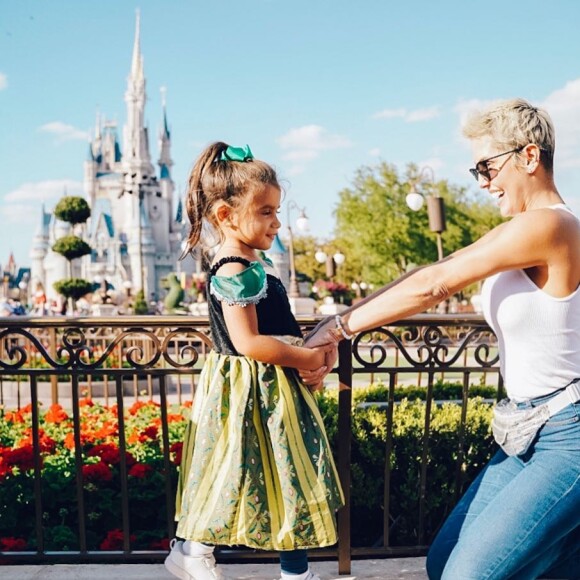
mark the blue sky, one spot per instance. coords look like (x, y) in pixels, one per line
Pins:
(318, 88)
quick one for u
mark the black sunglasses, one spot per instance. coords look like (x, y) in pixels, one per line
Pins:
(481, 168)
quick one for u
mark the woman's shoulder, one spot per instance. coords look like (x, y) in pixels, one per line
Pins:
(551, 221)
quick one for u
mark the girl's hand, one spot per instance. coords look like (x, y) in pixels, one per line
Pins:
(315, 379)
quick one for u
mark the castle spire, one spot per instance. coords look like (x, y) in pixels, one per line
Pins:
(165, 161)
(136, 142)
(137, 61)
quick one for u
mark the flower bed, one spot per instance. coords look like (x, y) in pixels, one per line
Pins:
(146, 475)
(101, 476)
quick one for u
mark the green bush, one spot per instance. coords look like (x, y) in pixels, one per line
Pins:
(140, 306)
(369, 434)
(74, 288)
(72, 209)
(146, 470)
(71, 247)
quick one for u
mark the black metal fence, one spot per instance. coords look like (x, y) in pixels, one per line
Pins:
(118, 362)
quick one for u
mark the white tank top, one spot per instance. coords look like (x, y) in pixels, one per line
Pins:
(538, 335)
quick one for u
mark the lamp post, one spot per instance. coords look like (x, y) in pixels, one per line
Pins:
(332, 261)
(435, 206)
(301, 224)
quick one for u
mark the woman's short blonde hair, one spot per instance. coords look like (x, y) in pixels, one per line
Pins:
(514, 123)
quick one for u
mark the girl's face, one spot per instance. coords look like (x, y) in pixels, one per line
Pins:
(256, 223)
(499, 174)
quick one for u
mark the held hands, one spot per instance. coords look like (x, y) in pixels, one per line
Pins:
(325, 341)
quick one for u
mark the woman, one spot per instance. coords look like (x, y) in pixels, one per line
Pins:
(521, 516)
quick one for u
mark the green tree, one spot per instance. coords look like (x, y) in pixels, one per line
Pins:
(74, 210)
(382, 238)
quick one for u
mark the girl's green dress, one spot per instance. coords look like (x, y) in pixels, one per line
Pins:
(257, 468)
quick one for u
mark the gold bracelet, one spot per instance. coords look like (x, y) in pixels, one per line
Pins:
(340, 327)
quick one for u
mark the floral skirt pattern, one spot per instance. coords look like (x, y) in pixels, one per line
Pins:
(257, 469)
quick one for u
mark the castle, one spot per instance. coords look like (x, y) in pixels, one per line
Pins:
(136, 227)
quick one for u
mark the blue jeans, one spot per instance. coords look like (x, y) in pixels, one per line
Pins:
(520, 518)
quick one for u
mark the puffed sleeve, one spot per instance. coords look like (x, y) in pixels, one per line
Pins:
(247, 287)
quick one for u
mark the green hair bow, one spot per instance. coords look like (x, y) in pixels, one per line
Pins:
(237, 154)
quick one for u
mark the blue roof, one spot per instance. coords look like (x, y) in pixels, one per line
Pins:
(164, 172)
(118, 153)
(102, 207)
(277, 247)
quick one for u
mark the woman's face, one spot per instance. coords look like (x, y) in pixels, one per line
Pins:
(498, 172)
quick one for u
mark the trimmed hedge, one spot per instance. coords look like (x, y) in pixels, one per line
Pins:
(369, 430)
(102, 485)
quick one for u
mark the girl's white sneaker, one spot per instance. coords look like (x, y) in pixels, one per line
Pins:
(310, 576)
(188, 567)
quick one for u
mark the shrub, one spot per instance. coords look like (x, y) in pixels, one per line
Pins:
(71, 247)
(72, 209)
(101, 470)
(74, 288)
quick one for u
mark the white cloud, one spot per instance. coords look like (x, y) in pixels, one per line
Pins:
(563, 105)
(375, 152)
(305, 143)
(313, 138)
(64, 132)
(413, 116)
(49, 190)
(390, 114)
(3, 81)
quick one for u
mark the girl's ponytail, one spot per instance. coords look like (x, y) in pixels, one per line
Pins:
(197, 203)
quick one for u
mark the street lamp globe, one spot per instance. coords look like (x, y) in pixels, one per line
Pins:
(320, 256)
(302, 222)
(414, 200)
(339, 258)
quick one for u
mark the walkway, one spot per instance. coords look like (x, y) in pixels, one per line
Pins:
(391, 569)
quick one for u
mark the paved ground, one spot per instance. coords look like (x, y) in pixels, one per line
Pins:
(392, 569)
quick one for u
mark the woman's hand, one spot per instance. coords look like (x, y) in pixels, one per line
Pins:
(324, 333)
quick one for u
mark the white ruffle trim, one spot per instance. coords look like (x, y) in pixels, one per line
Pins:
(244, 301)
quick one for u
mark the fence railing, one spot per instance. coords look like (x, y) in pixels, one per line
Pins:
(120, 361)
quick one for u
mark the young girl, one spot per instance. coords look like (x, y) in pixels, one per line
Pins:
(257, 469)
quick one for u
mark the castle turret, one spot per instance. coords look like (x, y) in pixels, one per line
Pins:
(39, 249)
(136, 142)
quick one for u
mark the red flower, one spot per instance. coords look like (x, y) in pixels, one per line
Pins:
(149, 433)
(114, 540)
(86, 402)
(47, 444)
(94, 472)
(55, 414)
(177, 450)
(140, 470)
(69, 440)
(162, 544)
(12, 544)
(21, 457)
(136, 406)
(18, 416)
(110, 454)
